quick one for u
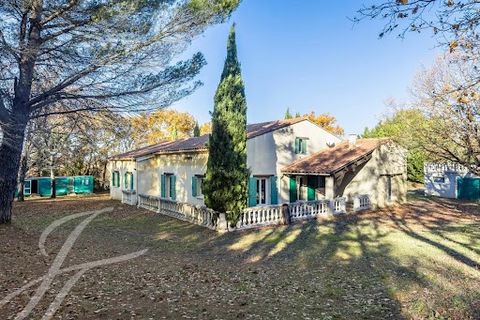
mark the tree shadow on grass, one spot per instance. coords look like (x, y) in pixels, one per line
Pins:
(337, 268)
(437, 217)
(346, 267)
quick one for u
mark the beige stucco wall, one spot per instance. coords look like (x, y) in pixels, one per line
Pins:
(122, 166)
(183, 165)
(269, 153)
(266, 155)
(371, 178)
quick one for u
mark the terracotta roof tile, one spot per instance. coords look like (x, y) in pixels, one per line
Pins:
(331, 160)
(199, 143)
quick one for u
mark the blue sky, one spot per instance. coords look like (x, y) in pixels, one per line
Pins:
(308, 56)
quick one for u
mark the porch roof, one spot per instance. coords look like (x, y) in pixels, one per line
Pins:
(332, 160)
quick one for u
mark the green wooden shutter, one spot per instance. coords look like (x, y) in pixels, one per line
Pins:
(304, 146)
(163, 192)
(125, 182)
(252, 192)
(311, 186)
(194, 186)
(297, 145)
(293, 189)
(131, 181)
(117, 179)
(274, 190)
(173, 195)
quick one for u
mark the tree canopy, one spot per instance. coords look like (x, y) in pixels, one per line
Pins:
(161, 125)
(404, 127)
(69, 56)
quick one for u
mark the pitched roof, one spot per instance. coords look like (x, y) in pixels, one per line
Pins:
(199, 143)
(257, 129)
(329, 161)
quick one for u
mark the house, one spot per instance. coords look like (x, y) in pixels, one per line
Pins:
(290, 161)
(450, 180)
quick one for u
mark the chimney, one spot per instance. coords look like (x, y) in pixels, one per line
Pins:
(352, 140)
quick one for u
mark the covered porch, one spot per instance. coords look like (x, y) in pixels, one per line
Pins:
(309, 187)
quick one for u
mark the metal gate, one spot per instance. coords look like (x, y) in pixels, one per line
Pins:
(468, 188)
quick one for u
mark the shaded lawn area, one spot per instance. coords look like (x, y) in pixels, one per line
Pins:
(420, 260)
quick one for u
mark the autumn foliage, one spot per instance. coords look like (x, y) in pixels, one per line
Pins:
(162, 125)
(326, 121)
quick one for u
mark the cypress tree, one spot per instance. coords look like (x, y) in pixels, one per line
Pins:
(196, 130)
(226, 181)
(288, 115)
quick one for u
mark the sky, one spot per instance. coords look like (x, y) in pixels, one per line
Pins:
(308, 56)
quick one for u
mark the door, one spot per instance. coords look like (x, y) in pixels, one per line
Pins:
(302, 188)
(27, 187)
(262, 192)
(468, 188)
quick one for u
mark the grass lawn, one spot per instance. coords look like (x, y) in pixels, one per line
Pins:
(420, 260)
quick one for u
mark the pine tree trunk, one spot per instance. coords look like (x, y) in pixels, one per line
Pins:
(10, 154)
(14, 128)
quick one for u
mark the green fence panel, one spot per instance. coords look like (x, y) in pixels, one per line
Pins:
(468, 188)
(62, 186)
(83, 184)
(45, 187)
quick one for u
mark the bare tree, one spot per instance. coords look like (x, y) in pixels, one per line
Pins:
(448, 93)
(453, 132)
(90, 55)
(454, 23)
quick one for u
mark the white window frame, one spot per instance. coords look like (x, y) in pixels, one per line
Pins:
(168, 196)
(199, 181)
(131, 183)
(267, 191)
(300, 145)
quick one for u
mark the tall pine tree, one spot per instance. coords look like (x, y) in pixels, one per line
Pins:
(226, 180)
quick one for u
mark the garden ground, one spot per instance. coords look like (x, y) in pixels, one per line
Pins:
(420, 260)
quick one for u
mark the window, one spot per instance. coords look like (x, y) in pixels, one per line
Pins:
(389, 188)
(197, 182)
(301, 145)
(168, 186)
(116, 178)
(439, 179)
(262, 186)
(262, 190)
(128, 181)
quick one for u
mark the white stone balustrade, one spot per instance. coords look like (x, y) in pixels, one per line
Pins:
(129, 197)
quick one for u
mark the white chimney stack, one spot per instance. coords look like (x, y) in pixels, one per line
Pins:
(352, 139)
